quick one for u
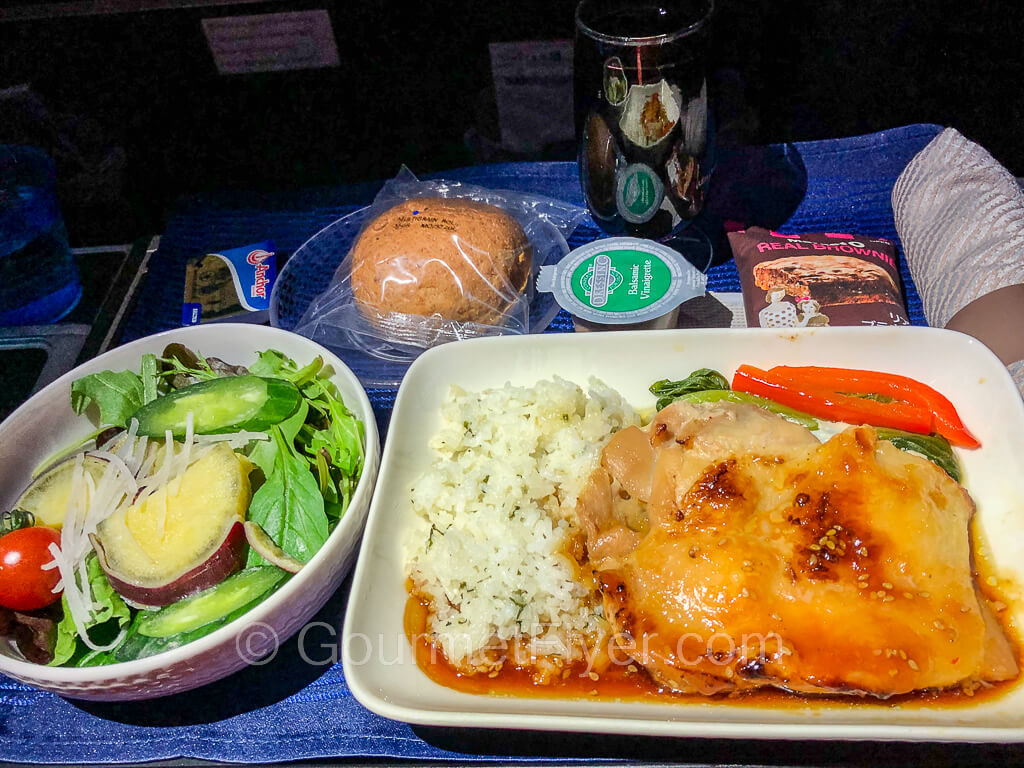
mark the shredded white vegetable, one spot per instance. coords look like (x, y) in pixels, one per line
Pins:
(186, 448)
(236, 440)
(130, 477)
(167, 469)
(85, 511)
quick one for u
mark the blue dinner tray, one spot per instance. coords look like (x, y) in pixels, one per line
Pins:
(288, 709)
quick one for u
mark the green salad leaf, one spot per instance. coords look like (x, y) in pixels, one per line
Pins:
(117, 394)
(289, 506)
(264, 452)
(109, 616)
(270, 363)
(326, 433)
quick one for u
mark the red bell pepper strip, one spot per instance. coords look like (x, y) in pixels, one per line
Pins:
(946, 421)
(827, 404)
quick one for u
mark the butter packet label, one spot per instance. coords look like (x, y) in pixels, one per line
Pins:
(231, 285)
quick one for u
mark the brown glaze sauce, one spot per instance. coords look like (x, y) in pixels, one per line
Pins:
(622, 681)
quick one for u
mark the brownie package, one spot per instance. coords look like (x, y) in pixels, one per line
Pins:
(817, 279)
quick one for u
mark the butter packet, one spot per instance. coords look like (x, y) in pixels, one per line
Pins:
(232, 285)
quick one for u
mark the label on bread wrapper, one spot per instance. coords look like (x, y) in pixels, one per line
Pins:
(817, 279)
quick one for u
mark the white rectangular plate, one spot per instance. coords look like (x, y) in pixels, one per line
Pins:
(378, 662)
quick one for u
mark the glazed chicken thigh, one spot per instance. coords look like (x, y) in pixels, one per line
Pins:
(734, 550)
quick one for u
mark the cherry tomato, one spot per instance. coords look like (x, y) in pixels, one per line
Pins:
(24, 585)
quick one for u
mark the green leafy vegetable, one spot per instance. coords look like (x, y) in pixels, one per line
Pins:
(178, 360)
(935, 448)
(117, 394)
(273, 363)
(108, 616)
(704, 378)
(288, 506)
(270, 363)
(331, 438)
(335, 450)
(341, 442)
(265, 451)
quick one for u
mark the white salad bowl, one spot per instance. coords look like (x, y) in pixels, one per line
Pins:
(46, 423)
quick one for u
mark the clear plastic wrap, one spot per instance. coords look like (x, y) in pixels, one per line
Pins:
(435, 261)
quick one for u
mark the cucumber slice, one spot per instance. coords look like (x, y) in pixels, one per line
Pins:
(138, 646)
(212, 604)
(218, 406)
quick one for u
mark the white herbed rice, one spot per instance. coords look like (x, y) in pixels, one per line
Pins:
(496, 515)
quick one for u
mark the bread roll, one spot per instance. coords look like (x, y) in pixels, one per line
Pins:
(457, 259)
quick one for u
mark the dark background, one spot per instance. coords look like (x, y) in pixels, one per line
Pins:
(133, 109)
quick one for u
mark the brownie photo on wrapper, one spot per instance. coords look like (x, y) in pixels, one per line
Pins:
(817, 279)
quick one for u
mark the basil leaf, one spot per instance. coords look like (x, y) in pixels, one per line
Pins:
(288, 506)
(117, 394)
